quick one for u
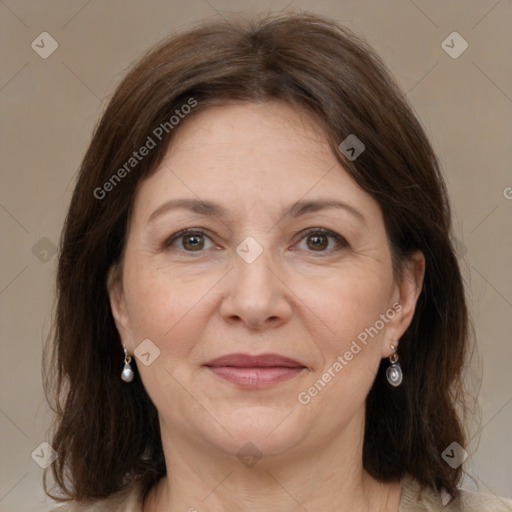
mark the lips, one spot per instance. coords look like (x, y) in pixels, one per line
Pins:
(255, 372)
(258, 361)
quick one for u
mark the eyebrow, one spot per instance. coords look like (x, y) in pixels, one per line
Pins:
(212, 209)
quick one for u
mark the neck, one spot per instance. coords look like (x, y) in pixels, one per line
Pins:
(328, 476)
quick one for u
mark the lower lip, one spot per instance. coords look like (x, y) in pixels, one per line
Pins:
(254, 378)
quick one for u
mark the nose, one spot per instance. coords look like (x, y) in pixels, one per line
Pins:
(257, 295)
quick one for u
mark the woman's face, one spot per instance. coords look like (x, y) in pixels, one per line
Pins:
(257, 275)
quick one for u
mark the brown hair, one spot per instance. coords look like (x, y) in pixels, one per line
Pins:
(106, 433)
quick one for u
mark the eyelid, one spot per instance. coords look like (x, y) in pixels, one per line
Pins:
(341, 240)
(179, 234)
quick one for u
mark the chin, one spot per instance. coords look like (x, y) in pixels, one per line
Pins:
(266, 430)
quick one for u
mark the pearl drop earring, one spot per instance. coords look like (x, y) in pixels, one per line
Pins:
(394, 372)
(127, 373)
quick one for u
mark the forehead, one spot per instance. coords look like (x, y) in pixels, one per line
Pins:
(242, 133)
(265, 117)
(249, 155)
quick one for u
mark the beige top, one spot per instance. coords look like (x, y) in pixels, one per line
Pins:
(410, 501)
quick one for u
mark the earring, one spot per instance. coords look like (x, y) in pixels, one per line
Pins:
(394, 372)
(127, 373)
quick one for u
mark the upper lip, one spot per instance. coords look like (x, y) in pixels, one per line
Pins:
(254, 361)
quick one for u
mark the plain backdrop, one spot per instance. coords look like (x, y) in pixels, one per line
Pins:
(49, 107)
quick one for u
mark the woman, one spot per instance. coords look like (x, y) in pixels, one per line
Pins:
(259, 305)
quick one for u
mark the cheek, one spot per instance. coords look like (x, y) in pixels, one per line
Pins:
(164, 309)
(350, 309)
(166, 317)
(350, 304)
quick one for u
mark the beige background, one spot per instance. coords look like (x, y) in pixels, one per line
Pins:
(50, 106)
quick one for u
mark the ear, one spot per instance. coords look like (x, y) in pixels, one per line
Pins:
(406, 294)
(118, 306)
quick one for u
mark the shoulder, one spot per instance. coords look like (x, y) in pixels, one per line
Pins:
(428, 500)
(475, 502)
(128, 500)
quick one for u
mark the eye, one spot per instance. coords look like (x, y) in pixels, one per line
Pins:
(317, 240)
(190, 240)
(194, 240)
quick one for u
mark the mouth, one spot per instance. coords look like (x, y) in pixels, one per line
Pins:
(255, 372)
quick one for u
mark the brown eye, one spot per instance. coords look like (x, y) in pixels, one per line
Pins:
(320, 240)
(193, 242)
(317, 242)
(187, 240)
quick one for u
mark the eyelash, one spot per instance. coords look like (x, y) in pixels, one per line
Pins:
(340, 240)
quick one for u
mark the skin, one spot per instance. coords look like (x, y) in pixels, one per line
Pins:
(304, 297)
